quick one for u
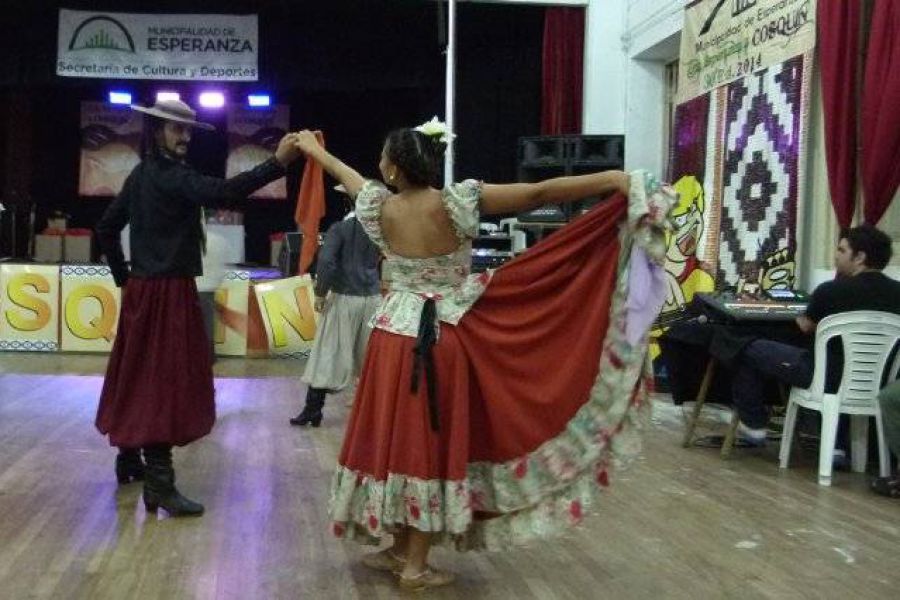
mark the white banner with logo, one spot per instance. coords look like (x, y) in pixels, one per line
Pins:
(145, 46)
(725, 40)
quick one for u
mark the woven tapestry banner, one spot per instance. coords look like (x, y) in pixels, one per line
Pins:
(725, 40)
(763, 152)
(145, 46)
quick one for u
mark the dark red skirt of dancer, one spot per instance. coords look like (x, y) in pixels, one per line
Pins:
(159, 385)
(537, 393)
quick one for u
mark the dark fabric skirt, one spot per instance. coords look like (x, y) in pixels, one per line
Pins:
(159, 385)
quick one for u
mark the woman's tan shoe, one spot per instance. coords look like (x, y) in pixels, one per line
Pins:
(429, 578)
(384, 560)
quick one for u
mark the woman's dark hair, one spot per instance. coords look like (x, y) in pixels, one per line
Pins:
(874, 242)
(419, 156)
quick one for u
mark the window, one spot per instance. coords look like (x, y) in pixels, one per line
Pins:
(671, 92)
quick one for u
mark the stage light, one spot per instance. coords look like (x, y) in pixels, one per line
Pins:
(164, 96)
(257, 100)
(119, 98)
(212, 99)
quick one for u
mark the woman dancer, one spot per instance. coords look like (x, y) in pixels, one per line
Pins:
(490, 406)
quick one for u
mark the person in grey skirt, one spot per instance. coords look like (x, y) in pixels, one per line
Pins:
(348, 291)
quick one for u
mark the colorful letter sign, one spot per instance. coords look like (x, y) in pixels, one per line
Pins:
(287, 313)
(28, 303)
(90, 308)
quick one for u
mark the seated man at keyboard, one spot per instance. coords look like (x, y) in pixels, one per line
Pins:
(859, 284)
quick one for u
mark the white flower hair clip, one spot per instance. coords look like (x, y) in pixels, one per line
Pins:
(436, 127)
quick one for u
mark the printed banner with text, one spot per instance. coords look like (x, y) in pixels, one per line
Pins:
(146, 46)
(75, 308)
(725, 40)
(110, 147)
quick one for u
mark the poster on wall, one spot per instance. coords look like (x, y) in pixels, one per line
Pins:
(232, 314)
(29, 300)
(692, 244)
(89, 308)
(193, 47)
(253, 136)
(286, 306)
(725, 40)
(110, 147)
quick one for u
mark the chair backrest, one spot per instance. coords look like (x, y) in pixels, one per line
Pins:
(867, 337)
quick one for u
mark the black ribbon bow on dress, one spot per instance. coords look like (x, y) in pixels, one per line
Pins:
(424, 360)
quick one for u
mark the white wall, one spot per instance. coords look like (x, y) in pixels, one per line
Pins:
(650, 41)
(649, 23)
(627, 44)
(604, 69)
(645, 117)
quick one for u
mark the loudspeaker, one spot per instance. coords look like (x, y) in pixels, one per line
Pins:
(290, 253)
(543, 157)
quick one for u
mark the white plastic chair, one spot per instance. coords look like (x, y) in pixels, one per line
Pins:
(867, 337)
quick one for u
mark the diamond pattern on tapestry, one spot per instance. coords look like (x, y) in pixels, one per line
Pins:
(764, 122)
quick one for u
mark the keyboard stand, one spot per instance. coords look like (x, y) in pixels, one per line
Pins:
(691, 426)
(540, 229)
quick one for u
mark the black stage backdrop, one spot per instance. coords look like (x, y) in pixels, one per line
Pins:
(353, 69)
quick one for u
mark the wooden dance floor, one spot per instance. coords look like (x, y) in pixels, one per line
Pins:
(679, 524)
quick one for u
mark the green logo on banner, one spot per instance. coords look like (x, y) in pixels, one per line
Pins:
(102, 33)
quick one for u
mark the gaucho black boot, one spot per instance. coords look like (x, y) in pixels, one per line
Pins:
(159, 485)
(312, 412)
(129, 467)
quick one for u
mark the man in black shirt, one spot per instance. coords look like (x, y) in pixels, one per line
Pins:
(861, 254)
(158, 390)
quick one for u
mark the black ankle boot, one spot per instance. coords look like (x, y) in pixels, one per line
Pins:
(129, 467)
(159, 485)
(312, 412)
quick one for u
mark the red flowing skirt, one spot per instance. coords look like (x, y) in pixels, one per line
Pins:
(510, 376)
(159, 384)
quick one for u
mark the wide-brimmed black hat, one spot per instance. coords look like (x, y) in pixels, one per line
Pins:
(174, 110)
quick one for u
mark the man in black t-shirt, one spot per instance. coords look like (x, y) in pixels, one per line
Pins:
(859, 284)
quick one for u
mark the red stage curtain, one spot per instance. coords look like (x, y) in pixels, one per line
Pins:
(880, 161)
(563, 69)
(838, 32)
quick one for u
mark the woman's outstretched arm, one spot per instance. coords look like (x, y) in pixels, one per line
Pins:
(520, 197)
(346, 175)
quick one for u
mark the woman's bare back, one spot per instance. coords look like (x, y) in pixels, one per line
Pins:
(415, 224)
